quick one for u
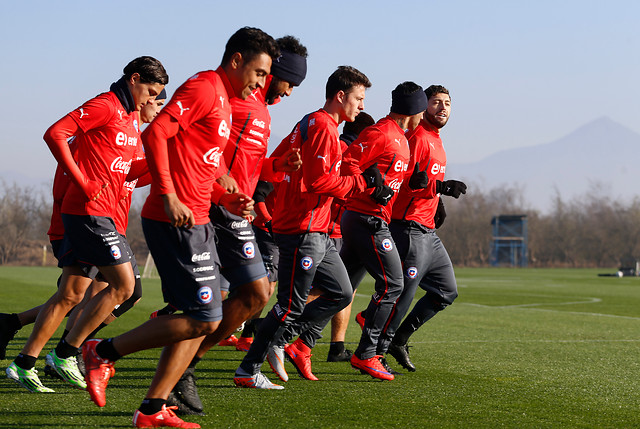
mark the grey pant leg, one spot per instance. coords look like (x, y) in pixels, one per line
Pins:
(332, 278)
(378, 254)
(300, 257)
(416, 253)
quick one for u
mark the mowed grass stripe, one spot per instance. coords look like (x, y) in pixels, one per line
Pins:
(520, 348)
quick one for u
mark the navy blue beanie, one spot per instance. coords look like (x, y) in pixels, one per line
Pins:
(290, 67)
(162, 95)
(408, 104)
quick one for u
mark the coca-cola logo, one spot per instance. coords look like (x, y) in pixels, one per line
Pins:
(239, 224)
(213, 156)
(204, 256)
(120, 166)
(258, 123)
(395, 184)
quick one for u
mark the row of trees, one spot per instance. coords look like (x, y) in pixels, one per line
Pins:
(590, 231)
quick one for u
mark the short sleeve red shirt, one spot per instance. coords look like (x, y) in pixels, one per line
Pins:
(105, 147)
(201, 107)
(383, 143)
(426, 149)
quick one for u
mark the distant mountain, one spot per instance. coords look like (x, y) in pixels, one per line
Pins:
(600, 152)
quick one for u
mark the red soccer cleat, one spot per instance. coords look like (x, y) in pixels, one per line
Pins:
(244, 343)
(230, 341)
(98, 372)
(163, 418)
(360, 319)
(371, 366)
(300, 356)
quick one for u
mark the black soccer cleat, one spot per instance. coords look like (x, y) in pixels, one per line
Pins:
(343, 356)
(182, 408)
(186, 392)
(6, 333)
(401, 353)
(385, 364)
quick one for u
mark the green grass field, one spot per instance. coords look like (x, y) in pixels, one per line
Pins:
(519, 348)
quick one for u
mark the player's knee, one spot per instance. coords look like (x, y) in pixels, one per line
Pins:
(259, 294)
(204, 328)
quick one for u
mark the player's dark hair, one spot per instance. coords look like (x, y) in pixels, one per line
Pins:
(149, 69)
(292, 44)
(362, 121)
(436, 89)
(344, 79)
(250, 42)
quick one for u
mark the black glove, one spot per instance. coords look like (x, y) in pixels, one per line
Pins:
(418, 179)
(372, 176)
(452, 188)
(440, 215)
(382, 195)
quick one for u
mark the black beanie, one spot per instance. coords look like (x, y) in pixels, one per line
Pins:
(290, 67)
(408, 104)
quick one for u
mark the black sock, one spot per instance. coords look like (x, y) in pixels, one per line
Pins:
(95, 331)
(64, 334)
(25, 361)
(337, 347)
(14, 322)
(106, 350)
(248, 330)
(65, 350)
(151, 405)
(194, 362)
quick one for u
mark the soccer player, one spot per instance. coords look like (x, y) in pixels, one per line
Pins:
(244, 160)
(300, 224)
(339, 322)
(417, 213)
(106, 135)
(183, 146)
(10, 324)
(367, 242)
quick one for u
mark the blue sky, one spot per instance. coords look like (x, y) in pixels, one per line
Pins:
(519, 74)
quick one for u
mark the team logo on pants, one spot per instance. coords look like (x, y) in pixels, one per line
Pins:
(205, 294)
(412, 272)
(387, 245)
(306, 263)
(115, 252)
(248, 250)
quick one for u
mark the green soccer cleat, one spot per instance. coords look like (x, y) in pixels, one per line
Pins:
(68, 370)
(27, 378)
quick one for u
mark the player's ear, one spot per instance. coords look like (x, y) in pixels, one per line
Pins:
(135, 77)
(236, 60)
(340, 96)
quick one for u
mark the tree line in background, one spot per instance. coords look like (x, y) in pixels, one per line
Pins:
(588, 231)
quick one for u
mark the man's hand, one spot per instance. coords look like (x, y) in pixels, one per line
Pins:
(237, 203)
(372, 176)
(93, 189)
(419, 179)
(440, 214)
(178, 213)
(289, 161)
(382, 195)
(451, 188)
(228, 183)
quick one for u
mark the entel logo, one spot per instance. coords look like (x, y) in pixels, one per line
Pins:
(395, 184)
(258, 123)
(204, 256)
(437, 168)
(223, 129)
(120, 166)
(212, 156)
(400, 166)
(122, 139)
